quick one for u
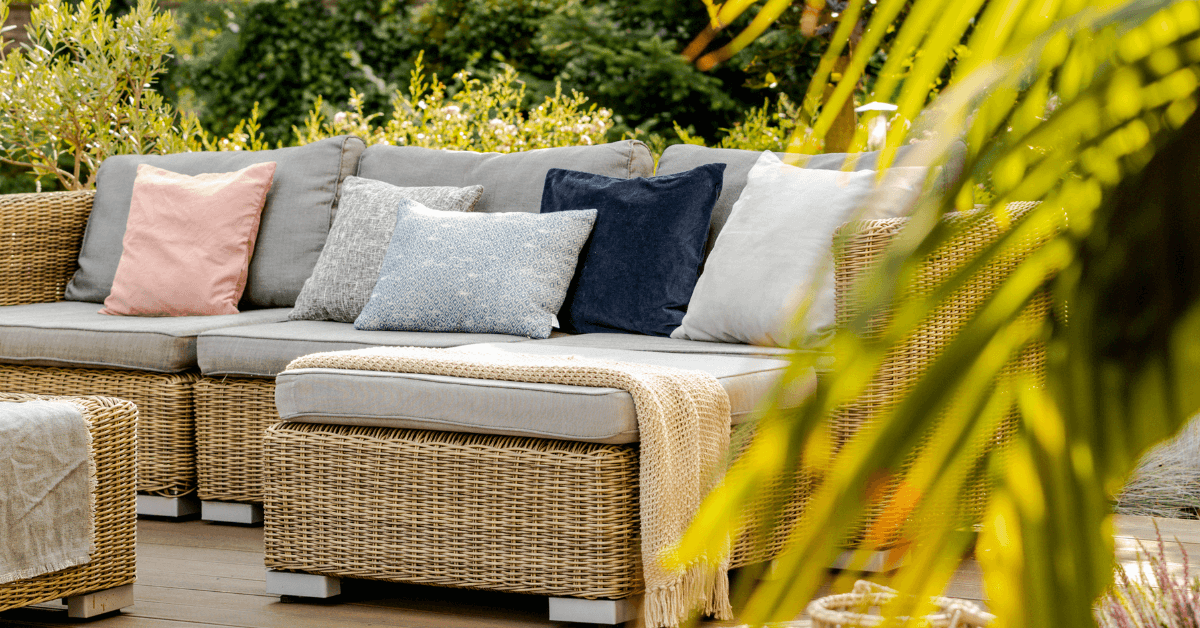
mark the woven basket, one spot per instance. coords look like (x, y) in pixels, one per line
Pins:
(852, 610)
(114, 449)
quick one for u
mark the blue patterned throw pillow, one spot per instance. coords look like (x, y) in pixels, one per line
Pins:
(500, 273)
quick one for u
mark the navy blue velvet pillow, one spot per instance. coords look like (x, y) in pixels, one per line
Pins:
(637, 271)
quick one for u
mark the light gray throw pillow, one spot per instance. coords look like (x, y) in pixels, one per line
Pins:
(776, 250)
(500, 273)
(346, 272)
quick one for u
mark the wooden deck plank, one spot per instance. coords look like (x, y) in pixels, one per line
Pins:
(198, 575)
(200, 534)
(205, 554)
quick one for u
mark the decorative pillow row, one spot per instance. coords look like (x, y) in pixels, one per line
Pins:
(475, 272)
(301, 205)
(467, 271)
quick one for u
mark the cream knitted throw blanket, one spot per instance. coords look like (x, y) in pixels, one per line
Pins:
(683, 418)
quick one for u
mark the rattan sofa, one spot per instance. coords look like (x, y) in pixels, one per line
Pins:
(558, 518)
(104, 584)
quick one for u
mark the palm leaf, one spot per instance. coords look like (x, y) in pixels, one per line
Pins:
(1114, 168)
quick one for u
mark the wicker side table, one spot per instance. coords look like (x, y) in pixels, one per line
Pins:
(106, 583)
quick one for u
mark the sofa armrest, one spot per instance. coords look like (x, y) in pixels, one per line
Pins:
(863, 243)
(40, 237)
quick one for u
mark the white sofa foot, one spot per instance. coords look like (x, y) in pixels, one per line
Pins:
(231, 512)
(175, 507)
(582, 611)
(302, 584)
(99, 602)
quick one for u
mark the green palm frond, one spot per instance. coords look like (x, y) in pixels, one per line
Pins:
(1087, 107)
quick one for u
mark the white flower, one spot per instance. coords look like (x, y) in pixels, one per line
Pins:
(496, 122)
(451, 109)
(587, 140)
(339, 117)
(420, 136)
(421, 104)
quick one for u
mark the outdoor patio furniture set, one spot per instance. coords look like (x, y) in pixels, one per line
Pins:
(451, 481)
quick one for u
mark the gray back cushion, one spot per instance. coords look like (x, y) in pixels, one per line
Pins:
(512, 182)
(683, 157)
(295, 219)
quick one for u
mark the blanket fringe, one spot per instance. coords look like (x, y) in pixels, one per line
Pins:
(51, 566)
(701, 586)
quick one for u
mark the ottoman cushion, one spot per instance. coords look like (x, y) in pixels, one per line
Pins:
(575, 413)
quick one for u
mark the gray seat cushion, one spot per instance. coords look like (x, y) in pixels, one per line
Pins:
(575, 413)
(295, 220)
(683, 157)
(636, 342)
(512, 182)
(74, 334)
(265, 350)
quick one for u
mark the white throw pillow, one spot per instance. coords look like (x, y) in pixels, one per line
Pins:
(777, 249)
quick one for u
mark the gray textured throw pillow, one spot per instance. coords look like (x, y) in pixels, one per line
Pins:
(501, 273)
(345, 273)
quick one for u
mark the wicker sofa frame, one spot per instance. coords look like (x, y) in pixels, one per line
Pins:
(105, 583)
(38, 255)
(559, 518)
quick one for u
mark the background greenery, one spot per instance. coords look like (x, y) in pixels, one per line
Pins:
(623, 54)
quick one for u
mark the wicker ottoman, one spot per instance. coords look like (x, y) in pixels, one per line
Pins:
(106, 583)
(545, 504)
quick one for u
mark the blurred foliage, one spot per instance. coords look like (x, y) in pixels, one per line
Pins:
(769, 127)
(480, 117)
(623, 54)
(1090, 108)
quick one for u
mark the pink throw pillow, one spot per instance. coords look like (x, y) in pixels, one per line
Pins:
(188, 242)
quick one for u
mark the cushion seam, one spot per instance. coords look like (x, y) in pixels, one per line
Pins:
(70, 363)
(445, 422)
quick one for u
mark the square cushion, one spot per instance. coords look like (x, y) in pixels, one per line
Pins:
(504, 273)
(346, 272)
(453, 404)
(776, 251)
(73, 333)
(512, 182)
(295, 220)
(188, 242)
(682, 157)
(265, 350)
(639, 266)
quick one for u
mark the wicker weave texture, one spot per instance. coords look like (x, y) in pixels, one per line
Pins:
(465, 510)
(114, 449)
(166, 425)
(501, 513)
(863, 246)
(40, 236)
(232, 414)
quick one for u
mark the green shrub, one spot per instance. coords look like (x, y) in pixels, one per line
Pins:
(623, 54)
(81, 90)
(481, 116)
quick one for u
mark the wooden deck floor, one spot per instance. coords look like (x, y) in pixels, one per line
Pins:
(195, 574)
